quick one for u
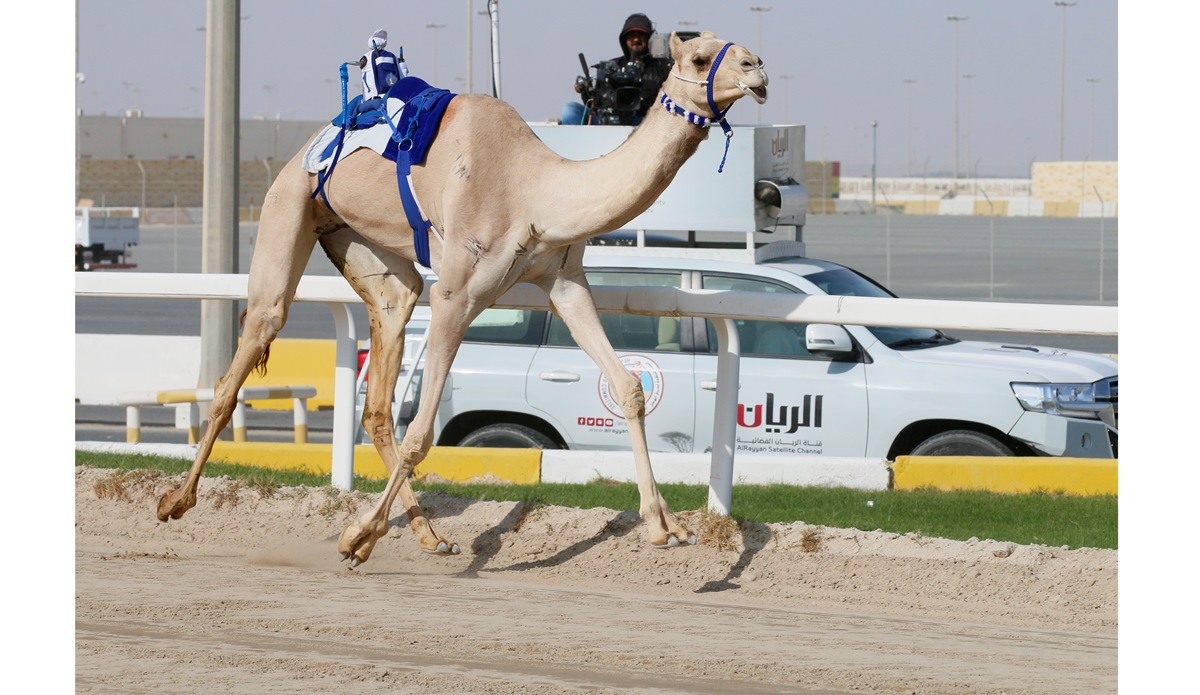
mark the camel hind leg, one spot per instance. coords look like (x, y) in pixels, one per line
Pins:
(285, 242)
(389, 286)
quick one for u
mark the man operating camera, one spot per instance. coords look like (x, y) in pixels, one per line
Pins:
(623, 88)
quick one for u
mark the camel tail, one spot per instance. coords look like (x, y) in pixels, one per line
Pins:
(260, 367)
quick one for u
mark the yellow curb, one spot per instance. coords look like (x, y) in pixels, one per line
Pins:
(1073, 476)
(518, 466)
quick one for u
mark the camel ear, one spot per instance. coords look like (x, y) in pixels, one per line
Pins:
(676, 42)
(707, 35)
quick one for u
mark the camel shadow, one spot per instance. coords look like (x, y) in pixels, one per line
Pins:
(487, 545)
(754, 538)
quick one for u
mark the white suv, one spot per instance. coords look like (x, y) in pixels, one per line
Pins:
(850, 391)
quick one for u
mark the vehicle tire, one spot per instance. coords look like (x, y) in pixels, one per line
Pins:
(962, 443)
(508, 436)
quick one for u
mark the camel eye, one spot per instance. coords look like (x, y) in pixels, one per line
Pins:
(700, 61)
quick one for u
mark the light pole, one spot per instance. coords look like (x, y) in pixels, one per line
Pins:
(908, 166)
(957, 21)
(1062, 75)
(967, 139)
(874, 151)
(435, 28)
(1092, 129)
(760, 10)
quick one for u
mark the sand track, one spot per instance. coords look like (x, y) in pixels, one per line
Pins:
(245, 595)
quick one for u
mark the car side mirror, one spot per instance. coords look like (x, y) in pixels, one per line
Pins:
(827, 339)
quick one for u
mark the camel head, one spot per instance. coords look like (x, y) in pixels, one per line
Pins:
(739, 73)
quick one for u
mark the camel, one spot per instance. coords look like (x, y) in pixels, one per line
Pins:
(506, 209)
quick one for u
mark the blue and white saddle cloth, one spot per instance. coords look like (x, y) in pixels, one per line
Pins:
(400, 129)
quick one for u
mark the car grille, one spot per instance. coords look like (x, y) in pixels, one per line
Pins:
(1106, 392)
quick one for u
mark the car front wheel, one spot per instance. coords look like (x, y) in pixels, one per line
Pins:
(961, 443)
(508, 436)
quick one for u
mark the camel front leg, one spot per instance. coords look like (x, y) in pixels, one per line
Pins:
(572, 300)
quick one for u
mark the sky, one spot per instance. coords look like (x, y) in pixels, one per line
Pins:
(848, 64)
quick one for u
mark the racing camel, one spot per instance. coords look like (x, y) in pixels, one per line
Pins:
(505, 209)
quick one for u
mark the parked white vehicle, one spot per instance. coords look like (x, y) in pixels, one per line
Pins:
(817, 389)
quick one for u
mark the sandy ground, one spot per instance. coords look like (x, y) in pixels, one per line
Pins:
(245, 594)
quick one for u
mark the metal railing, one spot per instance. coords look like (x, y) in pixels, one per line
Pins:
(722, 307)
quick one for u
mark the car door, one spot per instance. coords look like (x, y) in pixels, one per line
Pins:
(790, 401)
(571, 393)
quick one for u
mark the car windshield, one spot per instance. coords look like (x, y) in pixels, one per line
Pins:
(844, 282)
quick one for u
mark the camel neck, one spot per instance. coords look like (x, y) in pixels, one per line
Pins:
(603, 194)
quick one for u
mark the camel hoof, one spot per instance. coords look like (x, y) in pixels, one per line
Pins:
(444, 548)
(355, 562)
(167, 509)
(674, 542)
(342, 557)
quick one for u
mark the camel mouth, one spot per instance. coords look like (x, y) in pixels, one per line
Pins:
(759, 94)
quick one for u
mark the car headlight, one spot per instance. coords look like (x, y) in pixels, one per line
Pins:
(1094, 401)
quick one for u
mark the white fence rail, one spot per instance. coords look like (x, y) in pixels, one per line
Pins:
(723, 307)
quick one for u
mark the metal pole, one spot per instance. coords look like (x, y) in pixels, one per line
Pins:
(908, 168)
(760, 10)
(1092, 128)
(874, 150)
(1062, 75)
(78, 113)
(494, 15)
(967, 137)
(724, 444)
(218, 323)
(345, 364)
(957, 21)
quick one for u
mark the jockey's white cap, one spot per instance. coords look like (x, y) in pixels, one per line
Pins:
(378, 39)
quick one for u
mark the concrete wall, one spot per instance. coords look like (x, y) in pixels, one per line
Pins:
(1055, 189)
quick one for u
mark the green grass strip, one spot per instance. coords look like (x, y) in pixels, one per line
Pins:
(1043, 518)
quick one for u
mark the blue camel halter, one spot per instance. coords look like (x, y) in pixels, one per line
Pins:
(718, 116)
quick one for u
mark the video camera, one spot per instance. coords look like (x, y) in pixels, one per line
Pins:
(614, 94)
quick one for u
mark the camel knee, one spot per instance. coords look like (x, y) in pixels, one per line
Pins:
(263, 323)
(378, 425)
(632, 398)
(414, 448)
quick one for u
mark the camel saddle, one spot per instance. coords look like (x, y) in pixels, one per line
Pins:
(400, 129)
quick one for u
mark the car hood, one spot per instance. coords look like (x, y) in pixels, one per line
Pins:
(1051, 364)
